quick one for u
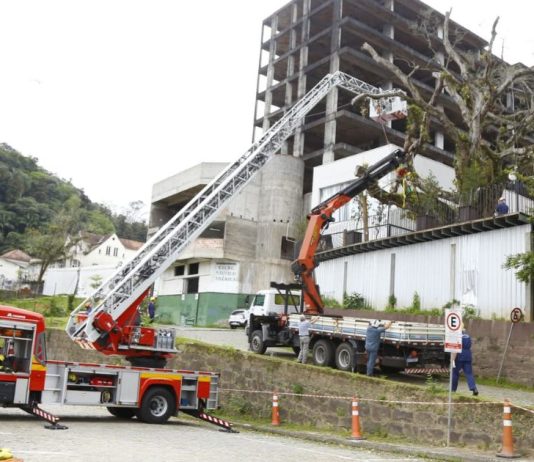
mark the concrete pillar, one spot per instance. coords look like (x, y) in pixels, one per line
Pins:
(270, 74)
(290, 64)
(332, 98)
(298, 141)
(280, 205)
(389, 31)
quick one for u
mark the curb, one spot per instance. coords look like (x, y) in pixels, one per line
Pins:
(452, 454)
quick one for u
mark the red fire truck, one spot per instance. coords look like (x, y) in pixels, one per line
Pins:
(28, 378)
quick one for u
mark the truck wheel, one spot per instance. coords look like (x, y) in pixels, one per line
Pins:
(323, 353)
(256, 342)
(157, 406)
(345, 356)
(122, 412)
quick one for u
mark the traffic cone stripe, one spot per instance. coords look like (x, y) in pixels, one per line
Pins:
(507, 410)
(507, 423)
(355, 413)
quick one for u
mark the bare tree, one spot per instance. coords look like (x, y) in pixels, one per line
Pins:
(484, 107)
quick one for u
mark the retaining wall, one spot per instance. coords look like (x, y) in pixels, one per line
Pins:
(489, 341)
(247, 381)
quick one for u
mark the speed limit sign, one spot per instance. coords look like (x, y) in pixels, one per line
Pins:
(516, 315)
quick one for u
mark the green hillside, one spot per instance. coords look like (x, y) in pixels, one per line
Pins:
(31, 197)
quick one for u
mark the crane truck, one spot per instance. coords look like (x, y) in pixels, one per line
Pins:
(145, 388)
(335, 340)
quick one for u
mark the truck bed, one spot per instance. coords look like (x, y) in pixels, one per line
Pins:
(400, 332)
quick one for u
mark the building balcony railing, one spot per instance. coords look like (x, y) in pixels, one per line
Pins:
(396, 222)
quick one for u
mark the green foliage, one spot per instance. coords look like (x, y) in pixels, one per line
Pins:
(392, 302)
(298, 389)
(331, 302)
(31, 199)
(96, 280)
(355, 301)
(416, 302)
(523, 263)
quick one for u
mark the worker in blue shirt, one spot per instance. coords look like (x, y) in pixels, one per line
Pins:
(463, 362)
(502, 207)
(372, 342)
(152, 309)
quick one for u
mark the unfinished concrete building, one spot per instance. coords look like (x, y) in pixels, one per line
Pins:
(252, 240)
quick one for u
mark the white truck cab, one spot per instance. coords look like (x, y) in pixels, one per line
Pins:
(271, 302)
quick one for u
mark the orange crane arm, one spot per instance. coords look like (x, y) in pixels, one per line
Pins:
(321, 216)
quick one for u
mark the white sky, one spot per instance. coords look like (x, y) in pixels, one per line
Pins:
(113, 94)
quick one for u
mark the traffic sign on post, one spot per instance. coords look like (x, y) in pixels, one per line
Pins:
(453, 331)
(516, 315)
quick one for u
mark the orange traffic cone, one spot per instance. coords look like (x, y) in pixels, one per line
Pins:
(507, 450)
(276, 411)
(356, 430)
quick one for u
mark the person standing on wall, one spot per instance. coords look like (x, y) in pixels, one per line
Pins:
(372, 342)
(463, 362)
(304, 337)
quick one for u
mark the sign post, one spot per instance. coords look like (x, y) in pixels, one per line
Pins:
(453, 345)
(515, 316)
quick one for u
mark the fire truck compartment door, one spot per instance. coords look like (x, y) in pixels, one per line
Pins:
(21, 391)
(128, 389)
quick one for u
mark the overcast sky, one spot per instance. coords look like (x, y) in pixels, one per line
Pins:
(116, 95)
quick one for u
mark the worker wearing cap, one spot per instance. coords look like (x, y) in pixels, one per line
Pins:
(372, 342)
(152, 308)
(502, 207)
(304, 338)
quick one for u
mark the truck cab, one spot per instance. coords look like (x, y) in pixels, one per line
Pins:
(268, 315)
(22, 355)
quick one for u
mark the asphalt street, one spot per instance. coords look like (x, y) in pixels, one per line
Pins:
(95, 435)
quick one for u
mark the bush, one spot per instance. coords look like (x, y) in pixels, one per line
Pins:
(416, 302)
(331, 302)
(355, 301)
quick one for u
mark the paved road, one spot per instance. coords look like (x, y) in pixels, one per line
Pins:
(95, 435)
(237, 339)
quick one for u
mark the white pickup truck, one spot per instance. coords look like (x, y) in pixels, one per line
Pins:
(339, 341)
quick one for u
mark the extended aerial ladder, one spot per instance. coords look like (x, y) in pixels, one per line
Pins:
(110, 326)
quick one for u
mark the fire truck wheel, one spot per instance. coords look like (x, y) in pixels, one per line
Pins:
(256, 342)
(344, 356)
(157, 406)
(323, 353)
(122, 412)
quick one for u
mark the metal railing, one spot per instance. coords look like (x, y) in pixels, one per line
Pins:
(396, 222)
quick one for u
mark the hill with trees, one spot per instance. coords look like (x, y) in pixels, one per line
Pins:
(34, 204)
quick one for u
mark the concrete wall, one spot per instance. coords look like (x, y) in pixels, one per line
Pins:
(477, 426)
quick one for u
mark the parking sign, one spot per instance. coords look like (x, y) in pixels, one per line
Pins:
(453, 331)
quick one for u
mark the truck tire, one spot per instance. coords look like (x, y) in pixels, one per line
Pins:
(345, 356)
(122, 412)
(157, 406)
(256, 342)
(323, 353)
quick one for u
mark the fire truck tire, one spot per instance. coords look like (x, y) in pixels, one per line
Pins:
(257, 344)
(122, 412)
(157, 406)
(345, 356)
(323, 353)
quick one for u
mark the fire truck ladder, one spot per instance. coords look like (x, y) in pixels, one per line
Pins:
(118, 292)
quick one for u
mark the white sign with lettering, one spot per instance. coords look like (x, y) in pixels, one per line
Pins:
(453, 331)
(226, 271)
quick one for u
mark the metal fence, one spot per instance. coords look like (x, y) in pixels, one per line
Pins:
(395, 222)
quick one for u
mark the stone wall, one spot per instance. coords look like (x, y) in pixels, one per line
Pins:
(244, 374)
(489, 342)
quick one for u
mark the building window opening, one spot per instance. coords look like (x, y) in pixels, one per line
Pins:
(193, 268)
(179, 270)
(192, 286)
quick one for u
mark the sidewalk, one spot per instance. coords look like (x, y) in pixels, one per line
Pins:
(453, 454)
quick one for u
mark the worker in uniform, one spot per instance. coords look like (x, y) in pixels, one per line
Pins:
(152, 308)
(463, 362)
(372, 342)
